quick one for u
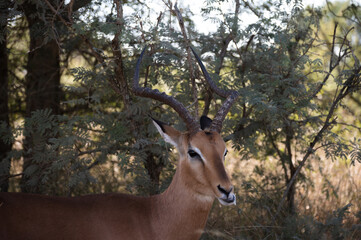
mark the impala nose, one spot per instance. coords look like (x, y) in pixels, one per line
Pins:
(224, 191)
(228, 197)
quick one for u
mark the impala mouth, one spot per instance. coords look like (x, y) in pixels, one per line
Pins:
(230, 200)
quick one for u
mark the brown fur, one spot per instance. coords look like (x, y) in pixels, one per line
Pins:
(178, 213)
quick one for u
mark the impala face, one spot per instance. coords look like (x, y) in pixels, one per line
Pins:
(201, 162)
(206, 154)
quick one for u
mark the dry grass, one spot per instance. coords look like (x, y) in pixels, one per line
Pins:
(329, 186)
(335, 184)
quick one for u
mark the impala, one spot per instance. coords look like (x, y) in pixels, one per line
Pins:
(178, 213)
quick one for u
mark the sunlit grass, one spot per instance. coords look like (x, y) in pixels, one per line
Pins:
(329, 186)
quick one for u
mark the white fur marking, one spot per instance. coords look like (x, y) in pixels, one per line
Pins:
(205, 198)
(231, 198)
(199, 152)
(224, 154)
(165, 136)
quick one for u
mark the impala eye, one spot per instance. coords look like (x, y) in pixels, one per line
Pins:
(225, 154)
(193, 154)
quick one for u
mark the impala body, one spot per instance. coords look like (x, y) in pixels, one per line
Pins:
(27, 216)
(178, 213)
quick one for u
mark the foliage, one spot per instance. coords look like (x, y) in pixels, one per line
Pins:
(299, 82)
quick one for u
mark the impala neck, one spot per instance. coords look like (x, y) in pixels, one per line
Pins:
(180, 210)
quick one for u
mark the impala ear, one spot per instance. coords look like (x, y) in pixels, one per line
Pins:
(169, 134)
(205, 122)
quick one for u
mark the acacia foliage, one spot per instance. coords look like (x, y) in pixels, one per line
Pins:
(296, 90)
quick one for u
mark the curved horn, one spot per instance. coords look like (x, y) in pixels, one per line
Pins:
(191, 123)
(230, 95)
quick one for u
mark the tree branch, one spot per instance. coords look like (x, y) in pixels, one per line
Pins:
(333, 64)
(112, 82)
(119, 79)
(189, 60)
(352, 83)
(280, 155)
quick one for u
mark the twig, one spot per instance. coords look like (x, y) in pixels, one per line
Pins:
(253, 9)
(119, 79)
(333, 46)
(96, 54)
(340, 56)
(229, 38)
(279, 153)
(70, 11)
(7, 176)
(347, 88)
(189, 59)
(318, 89)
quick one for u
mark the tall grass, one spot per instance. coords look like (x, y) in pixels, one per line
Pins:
(328, 203)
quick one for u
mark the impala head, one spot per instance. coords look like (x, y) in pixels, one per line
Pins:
(201, 164)
(202, 149)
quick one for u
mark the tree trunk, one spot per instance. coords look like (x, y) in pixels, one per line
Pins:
(154, 170)
(42, 80)
(5, 148)
(291, 195)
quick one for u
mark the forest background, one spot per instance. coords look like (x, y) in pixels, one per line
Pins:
(70, 124)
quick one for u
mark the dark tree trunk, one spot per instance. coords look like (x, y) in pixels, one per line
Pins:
(5, 148)
(154, 170)
(42, 79)
(291, 195)
(43, 76)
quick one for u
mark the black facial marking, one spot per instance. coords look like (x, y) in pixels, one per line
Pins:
(205, 122)
(222, 190)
